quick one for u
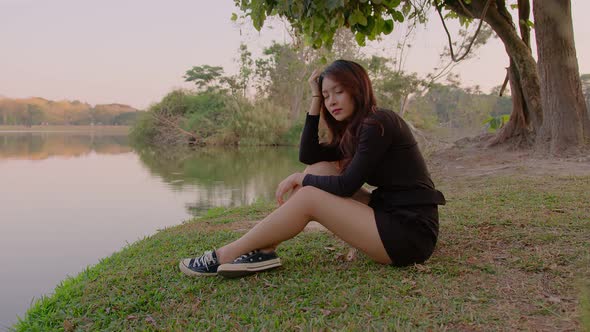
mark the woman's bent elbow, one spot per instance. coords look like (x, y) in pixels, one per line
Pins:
(305, 160)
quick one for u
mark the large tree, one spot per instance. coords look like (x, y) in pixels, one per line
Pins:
(566, 124)
(527, 114)
(318, 21)
(548, 103)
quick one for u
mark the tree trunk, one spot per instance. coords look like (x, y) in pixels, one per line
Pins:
(517, 130)
(498, 17)
(524, 13)
(403, 107)
(566, 122)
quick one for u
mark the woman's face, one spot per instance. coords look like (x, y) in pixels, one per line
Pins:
(338, 102)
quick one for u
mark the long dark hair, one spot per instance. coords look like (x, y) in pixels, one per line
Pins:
(356, 82)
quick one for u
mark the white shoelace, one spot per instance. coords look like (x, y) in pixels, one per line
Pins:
(246, 255)
(207, 259)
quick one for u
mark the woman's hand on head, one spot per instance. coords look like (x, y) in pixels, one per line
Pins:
(287, 185)
(314, 83)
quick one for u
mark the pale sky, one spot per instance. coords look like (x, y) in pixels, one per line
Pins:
(135, 51)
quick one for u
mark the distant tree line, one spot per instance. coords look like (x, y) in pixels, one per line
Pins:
(39, 111)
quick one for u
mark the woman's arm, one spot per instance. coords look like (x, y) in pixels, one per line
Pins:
(373, 143)
(316, 94)
(310, 149)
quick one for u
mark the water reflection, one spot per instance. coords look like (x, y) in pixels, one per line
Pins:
(215, 176)
(42, 145)
(222, 177)
(69, 199)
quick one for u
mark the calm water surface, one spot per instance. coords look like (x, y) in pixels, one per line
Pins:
(69, 199)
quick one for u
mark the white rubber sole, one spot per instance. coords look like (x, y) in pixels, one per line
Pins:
(183, 265)
(240, 270)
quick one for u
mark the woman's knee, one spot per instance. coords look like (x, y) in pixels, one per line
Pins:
(311, 200)
(307, 196)
(307, 193)
(323, 168)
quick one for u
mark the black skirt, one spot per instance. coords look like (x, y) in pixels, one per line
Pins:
(408, 232)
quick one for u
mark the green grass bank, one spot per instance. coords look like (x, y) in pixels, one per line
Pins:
(513, 254)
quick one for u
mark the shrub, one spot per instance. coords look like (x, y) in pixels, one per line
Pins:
(144, 130)
(214, 117)
(260, 123)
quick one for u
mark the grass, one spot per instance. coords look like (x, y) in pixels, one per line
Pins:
(513, 254)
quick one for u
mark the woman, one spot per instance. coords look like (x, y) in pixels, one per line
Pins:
(395, 224)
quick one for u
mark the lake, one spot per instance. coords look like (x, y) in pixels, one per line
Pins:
(68, 199)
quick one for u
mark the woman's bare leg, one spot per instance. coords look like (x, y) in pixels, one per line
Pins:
(326, 168)
(350, 220)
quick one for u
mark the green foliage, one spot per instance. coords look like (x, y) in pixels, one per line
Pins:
(494, 123)
(219, 112)
(206, 112)
(456, 107)
(144, 131)
(204, 76)
(246, 69)
(127, 118)
(293, 135)
(281, 73)
(321, 23)
(281, 77)
(174, 103)
(318, 21)
(392, 87)
(421, 114)
(261, 122)
(214, 117)
(202, 113)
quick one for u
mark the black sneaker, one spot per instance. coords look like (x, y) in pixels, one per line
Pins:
(206, 265)
(250, 263)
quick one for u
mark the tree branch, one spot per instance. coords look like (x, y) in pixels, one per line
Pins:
(485, 10)
(173, 124)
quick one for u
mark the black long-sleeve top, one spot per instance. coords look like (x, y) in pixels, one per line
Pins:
(386, 157)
